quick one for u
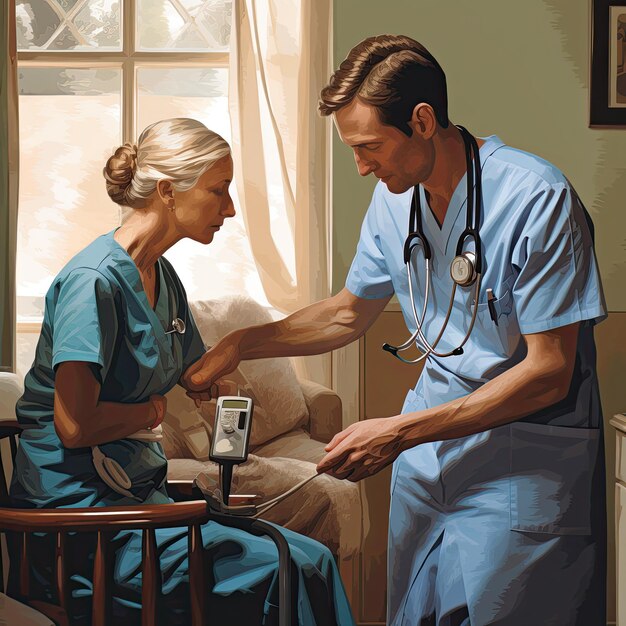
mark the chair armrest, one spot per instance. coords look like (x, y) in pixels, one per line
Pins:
(104, 518)
(9, 428)
(325, 410)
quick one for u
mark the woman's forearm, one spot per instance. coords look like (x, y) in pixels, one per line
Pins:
(107, 421)
(115, 420)
(81, 420)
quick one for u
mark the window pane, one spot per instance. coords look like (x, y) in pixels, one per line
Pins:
(68, 24)
(226, 266)
(70, 121)
(190, 25)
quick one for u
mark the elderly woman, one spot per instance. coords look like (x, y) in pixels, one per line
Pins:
(109, 350)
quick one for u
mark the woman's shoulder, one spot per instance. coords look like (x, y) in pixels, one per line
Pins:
(88, 265)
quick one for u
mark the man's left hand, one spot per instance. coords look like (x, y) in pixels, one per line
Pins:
(362, 449)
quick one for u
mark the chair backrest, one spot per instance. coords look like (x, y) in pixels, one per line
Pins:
(9, 430)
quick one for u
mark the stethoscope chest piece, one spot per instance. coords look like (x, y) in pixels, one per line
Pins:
(178, 326)
(463, 269)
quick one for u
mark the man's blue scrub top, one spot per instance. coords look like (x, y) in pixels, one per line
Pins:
(538, 259)
(97, 312)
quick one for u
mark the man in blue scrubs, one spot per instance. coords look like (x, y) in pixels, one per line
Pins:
(497, 509)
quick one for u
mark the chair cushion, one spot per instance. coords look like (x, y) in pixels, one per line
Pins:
(296, 444)
(279, 404)
(14, 612)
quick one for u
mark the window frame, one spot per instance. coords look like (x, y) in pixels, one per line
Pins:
(128, 61)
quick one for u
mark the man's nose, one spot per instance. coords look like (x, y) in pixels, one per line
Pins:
(363, 166)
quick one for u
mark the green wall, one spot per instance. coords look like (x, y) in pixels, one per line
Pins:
(518, 70)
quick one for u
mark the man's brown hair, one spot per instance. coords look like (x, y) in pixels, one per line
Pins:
(393, 73)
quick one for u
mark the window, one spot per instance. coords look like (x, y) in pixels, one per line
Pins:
(93, 74)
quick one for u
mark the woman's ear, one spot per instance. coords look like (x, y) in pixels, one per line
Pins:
(423, 120)
(165, 189)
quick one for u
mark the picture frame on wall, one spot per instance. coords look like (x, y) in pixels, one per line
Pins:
(608, 64)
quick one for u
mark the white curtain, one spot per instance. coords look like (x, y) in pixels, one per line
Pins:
(280, 60)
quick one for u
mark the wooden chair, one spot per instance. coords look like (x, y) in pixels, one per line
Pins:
(104, 522)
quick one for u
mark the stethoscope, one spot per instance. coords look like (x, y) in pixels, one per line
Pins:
(466, 267)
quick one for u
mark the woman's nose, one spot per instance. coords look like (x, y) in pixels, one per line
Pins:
(229, 209)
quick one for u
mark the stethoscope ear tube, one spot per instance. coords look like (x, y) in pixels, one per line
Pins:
(409, 246)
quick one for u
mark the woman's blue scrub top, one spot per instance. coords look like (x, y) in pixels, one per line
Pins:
(538, 259)
(97, 312)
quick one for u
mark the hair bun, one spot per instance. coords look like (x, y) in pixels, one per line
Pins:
(119, 171)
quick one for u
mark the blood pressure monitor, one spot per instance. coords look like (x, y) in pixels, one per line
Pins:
(231, 433)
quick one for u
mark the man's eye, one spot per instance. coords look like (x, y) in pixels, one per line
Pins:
(218, 192)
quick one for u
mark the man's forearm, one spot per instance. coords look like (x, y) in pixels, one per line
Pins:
(318, 328)
(518, 392)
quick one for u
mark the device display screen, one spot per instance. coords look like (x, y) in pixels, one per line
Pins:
(235, 404)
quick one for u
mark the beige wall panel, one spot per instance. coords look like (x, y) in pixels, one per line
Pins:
(386, 382)
(611, 344)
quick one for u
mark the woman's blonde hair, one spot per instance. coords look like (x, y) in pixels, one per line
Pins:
(179, 149)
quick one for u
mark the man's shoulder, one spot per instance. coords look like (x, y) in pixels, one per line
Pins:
(524, 168)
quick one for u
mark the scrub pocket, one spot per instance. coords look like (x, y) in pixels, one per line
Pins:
(551, 478)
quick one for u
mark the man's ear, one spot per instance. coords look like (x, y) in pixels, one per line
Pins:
(165, 189)
(423, 120)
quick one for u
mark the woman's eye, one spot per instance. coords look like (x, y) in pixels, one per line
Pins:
(218, 192)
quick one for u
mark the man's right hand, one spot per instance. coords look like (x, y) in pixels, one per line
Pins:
(220, 360)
